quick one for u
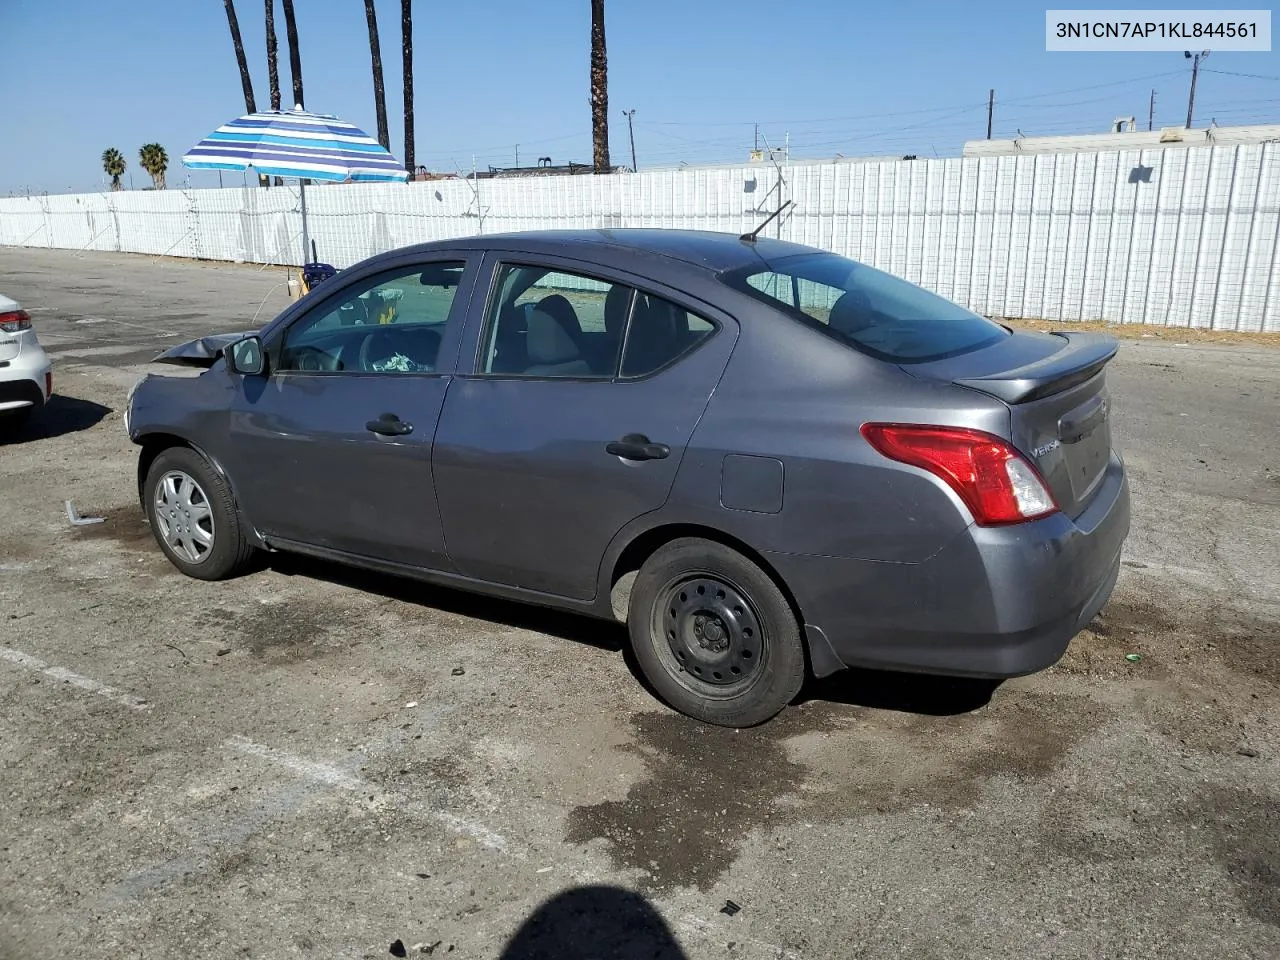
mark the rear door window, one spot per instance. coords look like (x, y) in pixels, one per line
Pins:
(869, 309)
(548, 323)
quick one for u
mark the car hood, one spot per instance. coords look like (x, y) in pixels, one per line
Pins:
(203, 352)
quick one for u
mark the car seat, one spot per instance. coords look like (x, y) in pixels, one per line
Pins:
(551, 350)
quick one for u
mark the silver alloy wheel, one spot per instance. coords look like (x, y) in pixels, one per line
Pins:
(184, 516)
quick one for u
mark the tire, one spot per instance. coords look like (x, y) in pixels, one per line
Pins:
(714, 634)
(185, 495)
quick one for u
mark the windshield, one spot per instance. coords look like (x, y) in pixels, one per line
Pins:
(874, 311)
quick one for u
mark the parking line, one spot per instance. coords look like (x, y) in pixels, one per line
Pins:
(331, 776)
(66, 676)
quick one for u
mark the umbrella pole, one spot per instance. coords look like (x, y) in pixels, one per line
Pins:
(302, 194)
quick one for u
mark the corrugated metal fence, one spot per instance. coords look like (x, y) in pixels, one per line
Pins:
(1179, 237)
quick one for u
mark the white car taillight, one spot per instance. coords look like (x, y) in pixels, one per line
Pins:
(15, 321)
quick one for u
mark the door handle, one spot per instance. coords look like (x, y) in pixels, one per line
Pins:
(636, 446)
(389, 425)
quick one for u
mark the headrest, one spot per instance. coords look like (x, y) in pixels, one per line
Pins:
(849, 313)
(560, 308)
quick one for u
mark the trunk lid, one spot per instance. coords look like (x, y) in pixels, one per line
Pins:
(1055, 387)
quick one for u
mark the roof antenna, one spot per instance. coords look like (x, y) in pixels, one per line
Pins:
(751, 237)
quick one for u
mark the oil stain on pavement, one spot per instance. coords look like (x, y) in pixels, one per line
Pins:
(709, 788)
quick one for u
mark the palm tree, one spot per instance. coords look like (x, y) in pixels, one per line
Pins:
(295, 56)
(113, 164)
(155, 161)
(599, 91)
(273, 65)
(406, 34)
(379, 94)
(245, 81)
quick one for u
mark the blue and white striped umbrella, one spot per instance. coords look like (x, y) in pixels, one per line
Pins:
(310, 146)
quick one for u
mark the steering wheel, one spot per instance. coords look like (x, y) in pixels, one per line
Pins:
(312, 360)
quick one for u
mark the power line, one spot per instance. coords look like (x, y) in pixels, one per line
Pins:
(1232, 73)
(748, 123)
(935, 117)
(1096, 86)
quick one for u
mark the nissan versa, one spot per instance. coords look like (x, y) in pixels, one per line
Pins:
(807, 463)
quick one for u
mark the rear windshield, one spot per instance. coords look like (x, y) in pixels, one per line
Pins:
(871, 310)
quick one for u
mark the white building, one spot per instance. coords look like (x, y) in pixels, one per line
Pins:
(1165, 138)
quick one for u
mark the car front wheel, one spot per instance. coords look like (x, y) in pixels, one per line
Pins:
(714, 634)
(193, 516)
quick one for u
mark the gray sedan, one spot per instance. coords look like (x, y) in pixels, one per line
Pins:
(796, 462)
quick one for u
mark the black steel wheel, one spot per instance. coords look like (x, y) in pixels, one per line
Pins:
(714, 634)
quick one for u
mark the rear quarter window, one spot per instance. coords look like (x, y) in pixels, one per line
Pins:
(871, 310)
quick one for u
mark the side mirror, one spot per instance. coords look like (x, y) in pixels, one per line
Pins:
(245, 357)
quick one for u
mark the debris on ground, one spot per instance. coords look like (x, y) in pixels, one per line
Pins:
(1247, 752)
(730, 908)
(397, 949)
(224, 651)
(79, 521)
(1133, 657)
(411, 704)
(458, 671)
(427, 948)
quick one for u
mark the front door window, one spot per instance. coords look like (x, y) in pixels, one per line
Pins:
(392, 323)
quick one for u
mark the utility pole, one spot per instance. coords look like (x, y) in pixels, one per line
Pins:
(629, 114)
(517, 155)
(757, 146)
(1151, 111)
(991, 109)
(1195, 72)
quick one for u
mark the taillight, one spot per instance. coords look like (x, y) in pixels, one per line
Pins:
(996, 483)
(15, 321)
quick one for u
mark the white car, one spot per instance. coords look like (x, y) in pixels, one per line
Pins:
(26, 376)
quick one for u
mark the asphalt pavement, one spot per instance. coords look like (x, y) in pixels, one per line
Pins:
(312, 762)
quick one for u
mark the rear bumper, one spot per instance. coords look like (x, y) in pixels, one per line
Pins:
(25, 380)
(995, 602)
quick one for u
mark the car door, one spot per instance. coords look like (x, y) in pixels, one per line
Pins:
(586, 388)
(332, 448)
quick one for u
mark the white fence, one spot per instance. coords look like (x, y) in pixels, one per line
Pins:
(1179, 237)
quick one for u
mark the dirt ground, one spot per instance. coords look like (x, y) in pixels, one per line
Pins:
(309, 762)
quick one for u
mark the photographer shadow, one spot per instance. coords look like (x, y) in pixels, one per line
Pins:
(594, 923)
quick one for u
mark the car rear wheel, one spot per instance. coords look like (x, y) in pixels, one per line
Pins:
(193, 516)
(714, 635)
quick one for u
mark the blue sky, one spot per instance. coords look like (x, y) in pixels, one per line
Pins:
(840, 77)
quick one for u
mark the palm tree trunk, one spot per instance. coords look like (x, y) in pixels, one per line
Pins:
(245, 80)
(273, 62)
(406, 33)
(599, 91)
(379, 94)
(295, 57)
